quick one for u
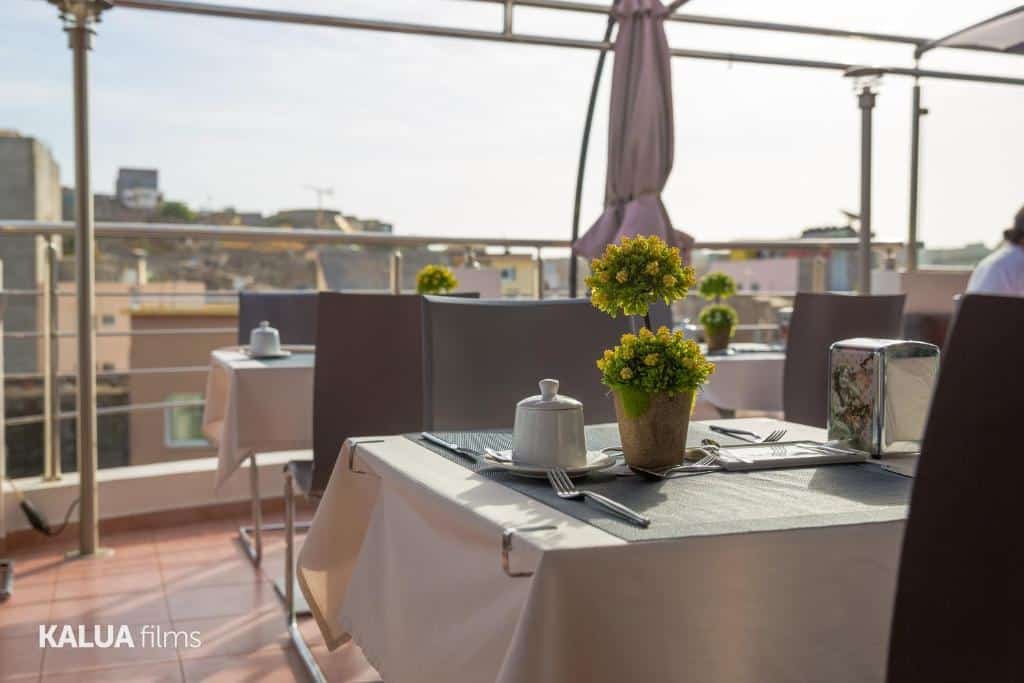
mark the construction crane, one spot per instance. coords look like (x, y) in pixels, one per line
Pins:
(321, 192)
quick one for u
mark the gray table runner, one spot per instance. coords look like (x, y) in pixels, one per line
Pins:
(708, 504)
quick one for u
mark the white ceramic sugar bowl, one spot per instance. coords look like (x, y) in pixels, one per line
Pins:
(264, 340)
(548, 430)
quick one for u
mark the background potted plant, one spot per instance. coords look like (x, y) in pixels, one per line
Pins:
(653, 376)
(718, 320)
(435, 279)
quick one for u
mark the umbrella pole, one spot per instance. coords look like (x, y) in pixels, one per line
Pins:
(585, 144)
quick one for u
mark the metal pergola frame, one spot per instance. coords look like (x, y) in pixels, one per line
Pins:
(80, 16)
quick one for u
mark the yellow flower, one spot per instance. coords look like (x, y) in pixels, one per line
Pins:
(601, 363)
(652, 268)
(628, 339)
(622, 276)
(651, 359)
(609, 354)
(645, 333)
(604, 277)
(668, 280)
(626, 374)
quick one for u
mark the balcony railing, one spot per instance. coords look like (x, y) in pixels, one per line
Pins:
(48, 296)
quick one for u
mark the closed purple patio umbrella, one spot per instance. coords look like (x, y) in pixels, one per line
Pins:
(640, 133)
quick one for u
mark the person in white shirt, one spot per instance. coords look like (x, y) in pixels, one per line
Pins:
(1002, 271)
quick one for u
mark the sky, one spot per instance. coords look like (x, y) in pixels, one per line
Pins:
(456, 137)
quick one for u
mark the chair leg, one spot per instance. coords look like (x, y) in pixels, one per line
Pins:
(289, 547)
(6, 579)
(308, 661)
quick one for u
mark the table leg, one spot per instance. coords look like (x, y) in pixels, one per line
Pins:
(252, 537)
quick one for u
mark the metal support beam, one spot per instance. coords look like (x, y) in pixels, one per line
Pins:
(584, 147)
(334, 21)
(866, 101)
(915, 175)
(79, 17)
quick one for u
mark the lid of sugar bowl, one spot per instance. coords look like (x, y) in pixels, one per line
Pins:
(549, 399)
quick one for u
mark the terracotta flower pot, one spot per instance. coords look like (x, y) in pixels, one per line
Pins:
(718, 338)
(656, 437)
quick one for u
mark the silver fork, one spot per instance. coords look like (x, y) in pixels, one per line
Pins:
(565, 488)
(774, 436)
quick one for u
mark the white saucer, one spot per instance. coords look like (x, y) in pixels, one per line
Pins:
(283, 353)
(596, 461)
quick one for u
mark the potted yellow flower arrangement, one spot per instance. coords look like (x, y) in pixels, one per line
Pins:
(718, 319)
(435, 279)
(653, 376)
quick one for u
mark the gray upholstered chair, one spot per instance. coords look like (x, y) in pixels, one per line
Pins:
(367, 381)
(293, 314)
(482, 357)
(818, 321)
(959, 595)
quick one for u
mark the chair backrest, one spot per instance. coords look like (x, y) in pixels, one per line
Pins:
(293, 314)
(818, 321)
(482, 357)
(959, 595)
(368, 378)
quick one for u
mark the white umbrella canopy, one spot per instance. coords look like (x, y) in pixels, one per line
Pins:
(1004, 32)
(640, 133)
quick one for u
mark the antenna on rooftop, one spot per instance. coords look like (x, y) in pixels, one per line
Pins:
(321, 192)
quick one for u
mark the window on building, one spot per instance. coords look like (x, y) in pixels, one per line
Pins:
(107, 320)
(183, 425)
(508, 273)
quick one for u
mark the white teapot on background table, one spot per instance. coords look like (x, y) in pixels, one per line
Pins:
(264, 341)
(548, 430)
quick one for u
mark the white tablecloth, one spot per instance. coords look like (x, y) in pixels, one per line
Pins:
(746, 381)
(257, 406)
(404, 555)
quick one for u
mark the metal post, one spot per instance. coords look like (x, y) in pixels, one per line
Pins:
(79, 16)
(51, 366)
(6, 566)
(866, 99)
(395, 273)
(540, 274)
(584, 146)
(915, 183)
(509, 12)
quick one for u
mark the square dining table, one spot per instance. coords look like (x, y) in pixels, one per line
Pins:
(748, 377)
(441, 571)
(254, 406)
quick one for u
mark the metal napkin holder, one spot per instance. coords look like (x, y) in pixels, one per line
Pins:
(879, 393)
